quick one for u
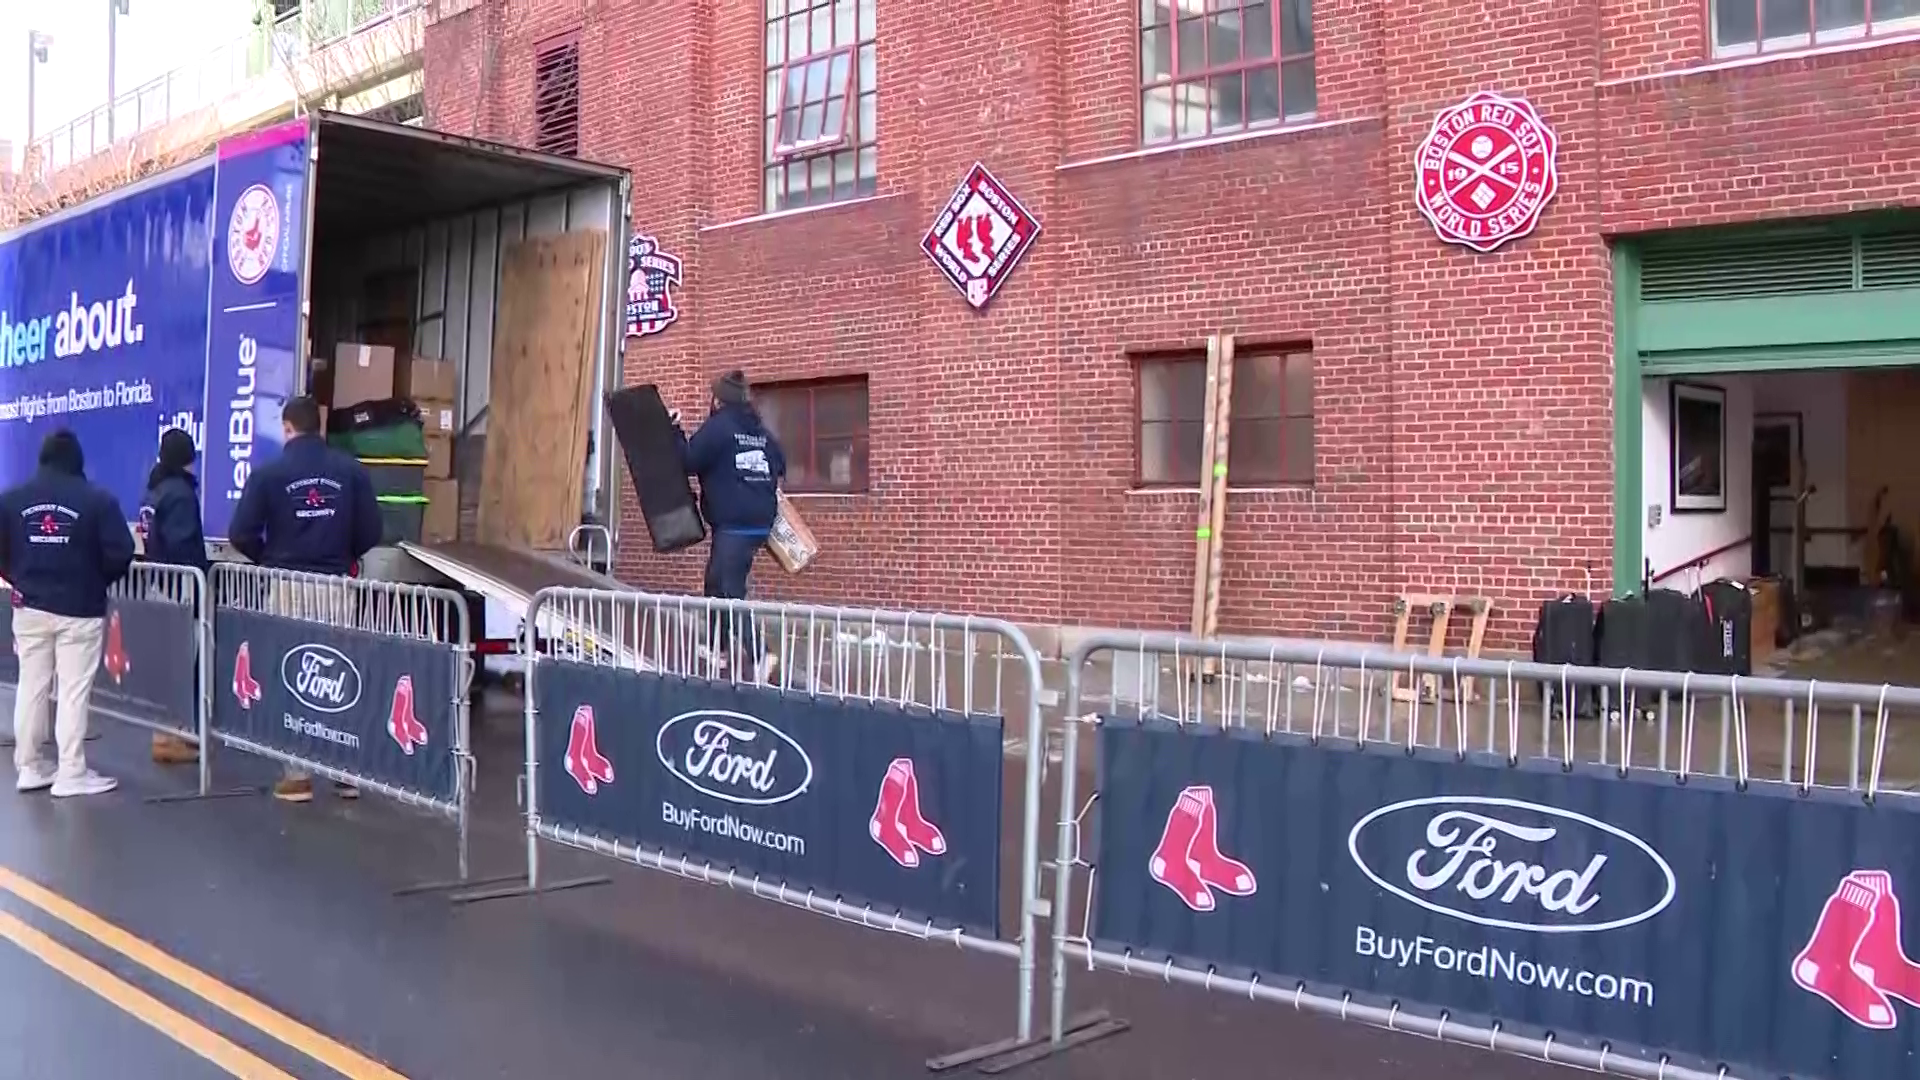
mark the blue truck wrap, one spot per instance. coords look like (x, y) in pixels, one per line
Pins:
(175, 303)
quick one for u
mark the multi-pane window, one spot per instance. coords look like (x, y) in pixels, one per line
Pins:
(822, 426)
(820, 102)
(556, 98)
(1270, 428)
(1214, 67)
(1746, 27)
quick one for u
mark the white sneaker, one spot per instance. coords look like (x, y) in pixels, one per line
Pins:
(88, 783)
(33, 778)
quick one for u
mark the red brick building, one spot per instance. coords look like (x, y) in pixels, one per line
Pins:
(1412, 416)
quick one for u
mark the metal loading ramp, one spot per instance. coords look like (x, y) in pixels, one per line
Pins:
(510, 577)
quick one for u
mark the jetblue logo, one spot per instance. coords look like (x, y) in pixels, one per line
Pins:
(321, 678)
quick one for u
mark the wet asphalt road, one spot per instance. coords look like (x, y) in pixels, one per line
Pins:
(649, 977)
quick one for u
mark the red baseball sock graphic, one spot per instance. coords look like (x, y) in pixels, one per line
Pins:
(244, 686)
(117, 665)
(886, 826)
(584, 762)
(1881, 960)
(925, 834)
(1230, 876)
(1826, 967)
(1172, 864)
(401, 724)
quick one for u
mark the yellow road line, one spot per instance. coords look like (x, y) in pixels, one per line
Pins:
(139, 1004)
(334, 1055)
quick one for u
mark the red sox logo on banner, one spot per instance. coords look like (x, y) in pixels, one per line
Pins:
(1486, 171)
(652, 275)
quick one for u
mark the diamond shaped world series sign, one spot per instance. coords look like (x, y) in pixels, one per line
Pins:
(979, 236)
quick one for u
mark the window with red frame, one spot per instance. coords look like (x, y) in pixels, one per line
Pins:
(556, 97)
(820, 102)
(1215, 67)
(1747, 27)
(1270, 432)
(822, 426)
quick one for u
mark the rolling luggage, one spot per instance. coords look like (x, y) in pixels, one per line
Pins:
(1565, 634)
(1729, 607)
(651, 448)
(1679, 634)
(1621, 633)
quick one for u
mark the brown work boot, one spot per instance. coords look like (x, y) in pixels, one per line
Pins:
(294, 789)
(174, 750)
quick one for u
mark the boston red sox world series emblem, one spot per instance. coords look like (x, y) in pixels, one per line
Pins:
(1486, 172)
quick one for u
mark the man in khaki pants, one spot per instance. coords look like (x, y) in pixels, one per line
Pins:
(63, 542)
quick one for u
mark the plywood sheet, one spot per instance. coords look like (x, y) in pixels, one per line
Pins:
(538, 422)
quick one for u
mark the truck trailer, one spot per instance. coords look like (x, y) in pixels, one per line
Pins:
(200, 298)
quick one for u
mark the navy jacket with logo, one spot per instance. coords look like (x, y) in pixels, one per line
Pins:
(310, 509)
(170, 514)
(739, 464)
(63, 541)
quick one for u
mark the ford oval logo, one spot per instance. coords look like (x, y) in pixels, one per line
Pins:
(321, 678)
(1512, 864)
(734, 757)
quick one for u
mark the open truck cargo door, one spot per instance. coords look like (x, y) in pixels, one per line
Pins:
(510, 266)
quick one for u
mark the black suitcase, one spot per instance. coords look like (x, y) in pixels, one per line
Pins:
(1729, 607)
(1565, 634)
(652, 452)
(1621, 633)
(1679, 634)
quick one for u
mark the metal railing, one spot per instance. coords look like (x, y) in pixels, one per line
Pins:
(415, 614)
(941, 663)
(260, 53)
(1742, 729)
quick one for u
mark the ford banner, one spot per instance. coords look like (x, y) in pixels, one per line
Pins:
(1755, 928)
(895, 807)
(370, 705)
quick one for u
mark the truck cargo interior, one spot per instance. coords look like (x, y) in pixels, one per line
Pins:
(506, 267)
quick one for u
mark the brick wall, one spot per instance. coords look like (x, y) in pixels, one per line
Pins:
(1463, 401)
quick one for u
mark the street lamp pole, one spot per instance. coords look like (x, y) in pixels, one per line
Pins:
(115, 9)
(37, 43)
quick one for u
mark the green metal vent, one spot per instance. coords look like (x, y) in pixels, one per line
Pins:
(1747, 267)
(1890, 261)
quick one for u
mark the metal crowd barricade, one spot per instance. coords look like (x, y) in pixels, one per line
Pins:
(369, 680)
(154, 654)
(1740, 733)
(654, 655)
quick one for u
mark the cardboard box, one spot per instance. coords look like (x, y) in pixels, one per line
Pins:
(423, 378)
(790, 541)
(1765, 630)
(438, 418)
(361, 373)
(439, 457)
(442, 522)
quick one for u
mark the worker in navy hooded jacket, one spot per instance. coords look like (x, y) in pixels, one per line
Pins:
(312, 510)
(740, 465)
(63, 542)
(170, 524)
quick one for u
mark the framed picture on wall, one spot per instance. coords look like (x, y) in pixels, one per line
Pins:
(1699, 440)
